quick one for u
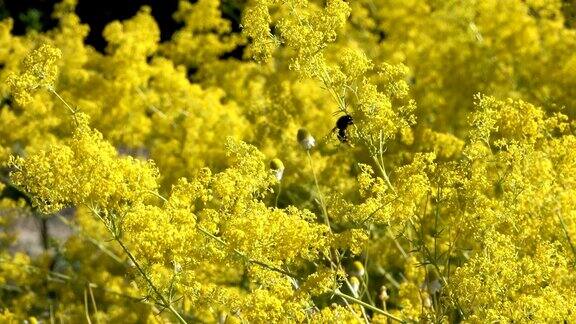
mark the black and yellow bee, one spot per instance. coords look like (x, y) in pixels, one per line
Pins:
(341, 128)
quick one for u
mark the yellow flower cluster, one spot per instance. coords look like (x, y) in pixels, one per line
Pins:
(39, 70)
(366, 161)
(84, 171)
(204, 37)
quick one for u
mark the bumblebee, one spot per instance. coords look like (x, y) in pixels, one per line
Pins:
(341, 126)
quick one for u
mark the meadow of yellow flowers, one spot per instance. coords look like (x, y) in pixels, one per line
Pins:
(363, 161)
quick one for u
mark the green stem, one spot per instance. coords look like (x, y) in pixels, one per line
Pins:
(244, 256)
(159, 295)
(238, 252)
(86, 311)
(320, 197)
(67, 278)
(383, 172)
(72, 111)
(338, 264)
(278, 194)
(150, 283)
(565, 230)
(373, 308)
(97, 243)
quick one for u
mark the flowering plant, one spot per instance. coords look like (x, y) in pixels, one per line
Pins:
(363, 161)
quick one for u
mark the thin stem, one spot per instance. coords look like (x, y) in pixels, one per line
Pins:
(72, 111)
(365, 279)
(324, 213)
(373, 308)
(383, 172)
(367, 218)
(364, 316)
(93, 304)
(404, 254)
(338, 264)
(238, 252)
(150, 283)
(151, 106)
(86, 311)
(44, 233)
(158, 195)
(278, 194)
(273, 268)
(52, 320)
(159, 295)
(244, 256)
(391, 279)
(97, 243)
(66, 278)
(352, 311)
(565, 230)
(320, 197)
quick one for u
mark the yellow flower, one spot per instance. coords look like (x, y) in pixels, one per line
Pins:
(39, 70)
(86, 170)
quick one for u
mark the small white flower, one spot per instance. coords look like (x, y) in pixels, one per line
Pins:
(383, 295)
(277, 168)
(434, 286)
(177, 267)
(355, 285)
(426, 301)
(358, 269)
(305, 139)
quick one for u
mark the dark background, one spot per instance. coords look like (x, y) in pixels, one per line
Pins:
(36, 14)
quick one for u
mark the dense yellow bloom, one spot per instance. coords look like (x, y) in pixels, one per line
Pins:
(39, 70)
(84, 171)
(204, 37)
(204, 185)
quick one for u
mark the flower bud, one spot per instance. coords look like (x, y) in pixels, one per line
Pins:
(305, 139)
(426, 300)
(277, 168)
(432, 281)
(355, 285)
(177, 267)
(383, 295)
(358, 269)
